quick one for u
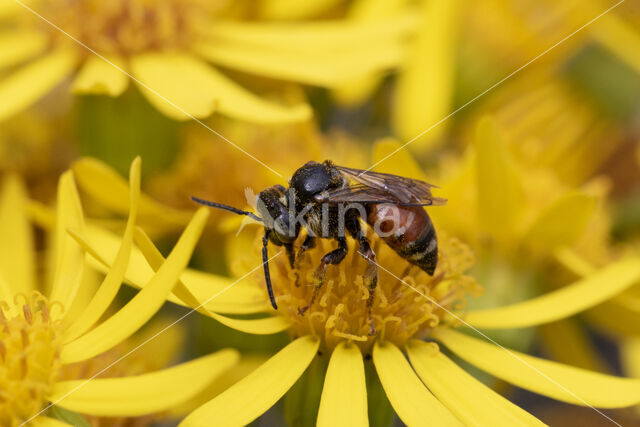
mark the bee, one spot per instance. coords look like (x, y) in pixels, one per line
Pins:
(331, 201)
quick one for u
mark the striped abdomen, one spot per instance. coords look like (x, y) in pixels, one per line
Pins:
(408, 231)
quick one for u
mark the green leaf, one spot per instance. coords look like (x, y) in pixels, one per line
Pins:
(302, 402)
(68, 416)
(381, 413)
(116, 130)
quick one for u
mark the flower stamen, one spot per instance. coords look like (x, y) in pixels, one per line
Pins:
(30, 344)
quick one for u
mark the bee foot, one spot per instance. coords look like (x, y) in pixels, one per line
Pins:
(297, 281)
(302, 310)
(372, 329)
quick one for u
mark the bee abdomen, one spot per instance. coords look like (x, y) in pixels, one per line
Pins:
(423, 252)
(415, 240)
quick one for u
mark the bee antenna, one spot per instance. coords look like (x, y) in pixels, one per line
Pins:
(226, 208)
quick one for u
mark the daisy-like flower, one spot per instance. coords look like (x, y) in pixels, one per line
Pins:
(414, 314)
(169, 48)
(47, 332)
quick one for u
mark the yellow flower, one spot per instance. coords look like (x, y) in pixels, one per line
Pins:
(549, 125)
(44, 329)
(160, 344)
(167, 47)
(412, 311)
(462, 49)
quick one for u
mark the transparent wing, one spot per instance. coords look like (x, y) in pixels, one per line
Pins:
(380, 187)
(356, 193)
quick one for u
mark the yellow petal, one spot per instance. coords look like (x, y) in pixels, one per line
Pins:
(42, 421)
(111, 190)
(552, 379)
(561, 223)
(142, 394)
(17, 263)
(111, 284)
(42, 215)
(424, 89)
(265, 326)
(99, 77)
(304, 67)
(409, 397)
(252, 396)
(68, 256)
(630, 356)
(573, 262)
(321, 37)
(282, 9)
(144, 305)
(243, 297)
(471, 401)
(32, 81)
(357, 91)
(89, 284)
(344, 394)
(563, 302)
(16, 47)
(246, 365)
(498, 185)
(396, 160)
(620, 315)
(201, 89)
(9, 7)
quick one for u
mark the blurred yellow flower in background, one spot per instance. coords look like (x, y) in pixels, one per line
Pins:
(36, 147)
(167, 47)
(49, 332)
(461, 52)
(520, 218)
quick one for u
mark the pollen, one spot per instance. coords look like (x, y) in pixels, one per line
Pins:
(408, 302)
(125, 27)
(30, 345)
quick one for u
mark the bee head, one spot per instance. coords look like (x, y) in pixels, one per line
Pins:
(272, 207)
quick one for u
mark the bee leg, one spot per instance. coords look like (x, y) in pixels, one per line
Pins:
(370, 276)
(334, 257)
(290, 254)
(308, 243)
(371, 273)
(265, 266)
